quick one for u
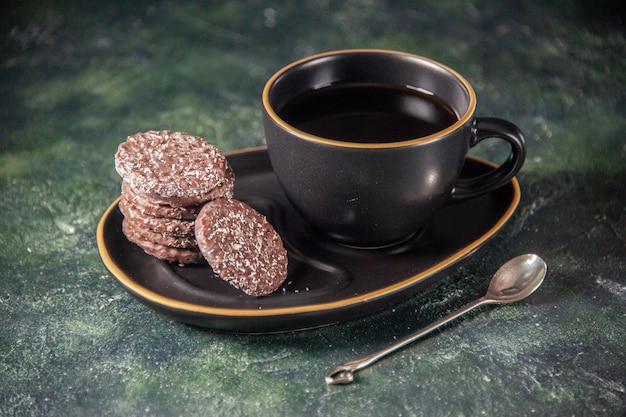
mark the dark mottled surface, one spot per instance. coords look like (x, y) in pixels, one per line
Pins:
(76, 79)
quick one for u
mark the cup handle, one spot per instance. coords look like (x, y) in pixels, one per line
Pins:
(491, 127)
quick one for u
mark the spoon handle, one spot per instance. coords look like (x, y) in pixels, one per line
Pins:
(343, 374)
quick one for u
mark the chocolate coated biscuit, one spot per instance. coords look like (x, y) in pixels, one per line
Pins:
(165, 253)
(241, 246)
(158, 210)
(130, 225)
(224, 189)
(163, 225)
(172, 168)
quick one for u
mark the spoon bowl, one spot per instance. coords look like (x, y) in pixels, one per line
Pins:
(513, 281)
(517, 279)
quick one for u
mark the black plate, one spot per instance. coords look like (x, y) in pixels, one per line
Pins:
(327, 282)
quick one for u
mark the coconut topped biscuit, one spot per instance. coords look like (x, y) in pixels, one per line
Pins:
(241, 246)
(175, 167)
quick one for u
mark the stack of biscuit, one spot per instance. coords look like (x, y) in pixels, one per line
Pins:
(167, 177)
(178, 206)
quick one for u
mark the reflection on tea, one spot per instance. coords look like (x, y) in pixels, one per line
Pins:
(368, 113)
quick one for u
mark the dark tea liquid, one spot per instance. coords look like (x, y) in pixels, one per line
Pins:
(368, 113)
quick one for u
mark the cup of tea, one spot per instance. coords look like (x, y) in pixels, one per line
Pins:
(368, 144)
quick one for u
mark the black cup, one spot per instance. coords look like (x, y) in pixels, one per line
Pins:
(372, 190)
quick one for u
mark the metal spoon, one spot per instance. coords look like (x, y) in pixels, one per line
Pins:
(513, 281)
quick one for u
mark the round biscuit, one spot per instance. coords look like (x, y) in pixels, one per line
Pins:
(131, 226)
(241, 246)
(171, 227)
(171, 165)
(173, 255)
(224, 189)
(158, 210)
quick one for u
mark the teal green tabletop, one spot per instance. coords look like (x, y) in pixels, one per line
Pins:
(77, 78)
